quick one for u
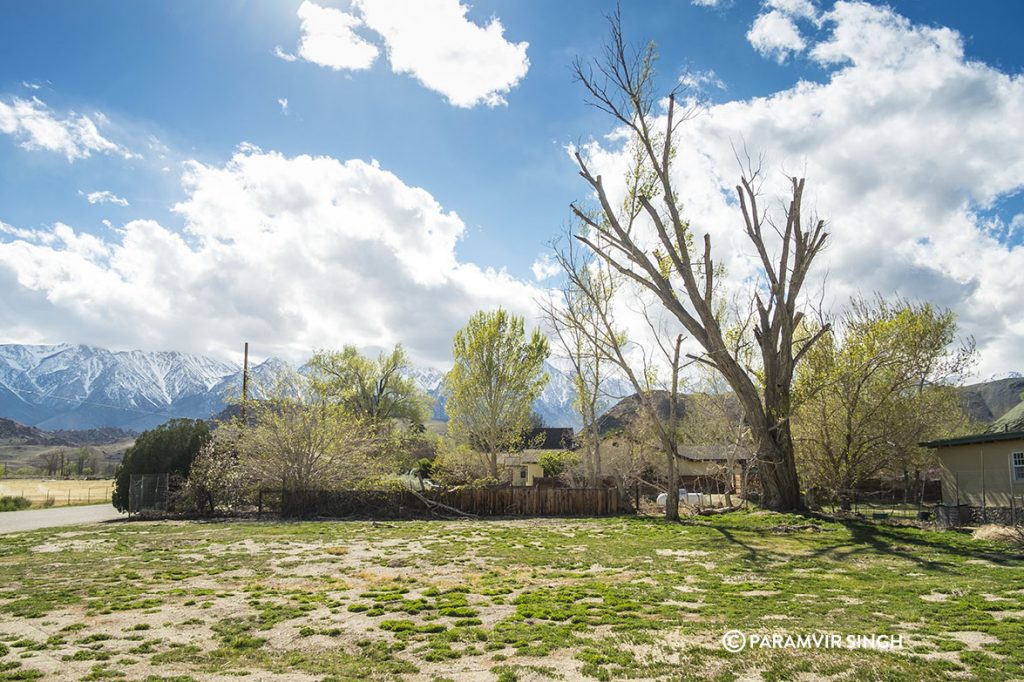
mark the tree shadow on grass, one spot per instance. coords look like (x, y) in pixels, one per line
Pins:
(866, 539)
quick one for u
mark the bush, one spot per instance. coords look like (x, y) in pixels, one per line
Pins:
(460, 465)
(10, 503)
(216, 482)
(168, 449)
(557, 462)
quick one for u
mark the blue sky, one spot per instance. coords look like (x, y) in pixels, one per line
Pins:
(172, 84)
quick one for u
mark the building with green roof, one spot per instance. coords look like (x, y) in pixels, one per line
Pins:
(985, 471)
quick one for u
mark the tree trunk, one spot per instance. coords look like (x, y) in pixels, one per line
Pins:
(672, 499)
(780, 485)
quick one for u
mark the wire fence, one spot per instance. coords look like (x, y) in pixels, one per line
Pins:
(43, 492)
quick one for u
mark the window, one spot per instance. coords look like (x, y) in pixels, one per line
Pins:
(522, 472)
(1017, 465)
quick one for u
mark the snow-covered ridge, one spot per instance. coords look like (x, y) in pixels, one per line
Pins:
(80, 387)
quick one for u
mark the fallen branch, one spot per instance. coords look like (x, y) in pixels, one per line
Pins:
(785, 528)
(714, 511)
(433, 505)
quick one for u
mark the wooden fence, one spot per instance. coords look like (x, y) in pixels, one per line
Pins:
(478, 501)
(532, 501)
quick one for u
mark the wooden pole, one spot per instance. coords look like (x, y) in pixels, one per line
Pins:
(245, 380)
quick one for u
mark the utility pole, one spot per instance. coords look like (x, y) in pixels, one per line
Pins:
(245, 380)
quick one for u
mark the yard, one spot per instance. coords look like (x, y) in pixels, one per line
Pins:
(541, 599)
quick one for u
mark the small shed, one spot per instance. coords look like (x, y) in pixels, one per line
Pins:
(985, 472)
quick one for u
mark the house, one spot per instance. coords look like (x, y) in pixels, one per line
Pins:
(709, 467)
(700, 468)
(524, 466)
(985, 472)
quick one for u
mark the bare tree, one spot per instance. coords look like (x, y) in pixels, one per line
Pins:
(684, 278)
(713, 419)
(52, 461)
(571, 315)
(588, 312)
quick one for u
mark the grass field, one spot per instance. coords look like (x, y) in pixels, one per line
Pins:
(37, 490)
(605, 599)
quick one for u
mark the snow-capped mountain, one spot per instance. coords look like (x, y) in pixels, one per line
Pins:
(82, 387)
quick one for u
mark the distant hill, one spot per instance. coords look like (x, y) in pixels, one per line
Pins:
(989, 400)
(13, 433)
(624, 412)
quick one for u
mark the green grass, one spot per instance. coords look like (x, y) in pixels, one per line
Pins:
(604, 599)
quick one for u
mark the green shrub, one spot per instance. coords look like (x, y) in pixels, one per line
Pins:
(555, 462)
(9, 503)
(168, 449)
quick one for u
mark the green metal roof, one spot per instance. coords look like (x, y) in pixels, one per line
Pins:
(1008, 427)
(1011, 421)
(977, 438)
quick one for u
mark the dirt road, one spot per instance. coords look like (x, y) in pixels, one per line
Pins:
(18, 521)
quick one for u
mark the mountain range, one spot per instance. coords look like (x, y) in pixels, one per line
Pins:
(77, 387)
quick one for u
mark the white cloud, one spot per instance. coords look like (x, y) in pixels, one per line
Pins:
(289, 253)
(775, 34)
(906, 147)
(37, 127)
(803, 9)
(281, 54)
(329, 39)
(431, 40)
(716, 4)
(283, 103)
(104, 197)
(545, 267)
(699, 80)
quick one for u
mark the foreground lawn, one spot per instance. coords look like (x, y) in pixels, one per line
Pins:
(504, 600)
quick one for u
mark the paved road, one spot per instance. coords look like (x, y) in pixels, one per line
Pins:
(18, 521)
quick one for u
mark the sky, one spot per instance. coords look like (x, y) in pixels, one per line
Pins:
(190, 175)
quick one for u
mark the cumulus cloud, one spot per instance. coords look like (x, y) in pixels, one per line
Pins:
(906, 147)
(803, 9)
(699, 81)
(36, 126)
(283, 103)
(290, 253)
(775, 35)
(545, 267)
(431, 40)
(104, 197)
(715, 4)
(329, 39)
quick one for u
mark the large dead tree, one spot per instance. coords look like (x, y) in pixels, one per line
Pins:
(683, 276)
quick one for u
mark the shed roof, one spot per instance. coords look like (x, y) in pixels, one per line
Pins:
(975, 439)
(1008, 427)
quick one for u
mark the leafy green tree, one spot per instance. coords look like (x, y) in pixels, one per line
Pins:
(556, 462)
(876, 387)
(378, 390)
(168, 449)
(217, 480)
(497, 375)
(297, 440)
